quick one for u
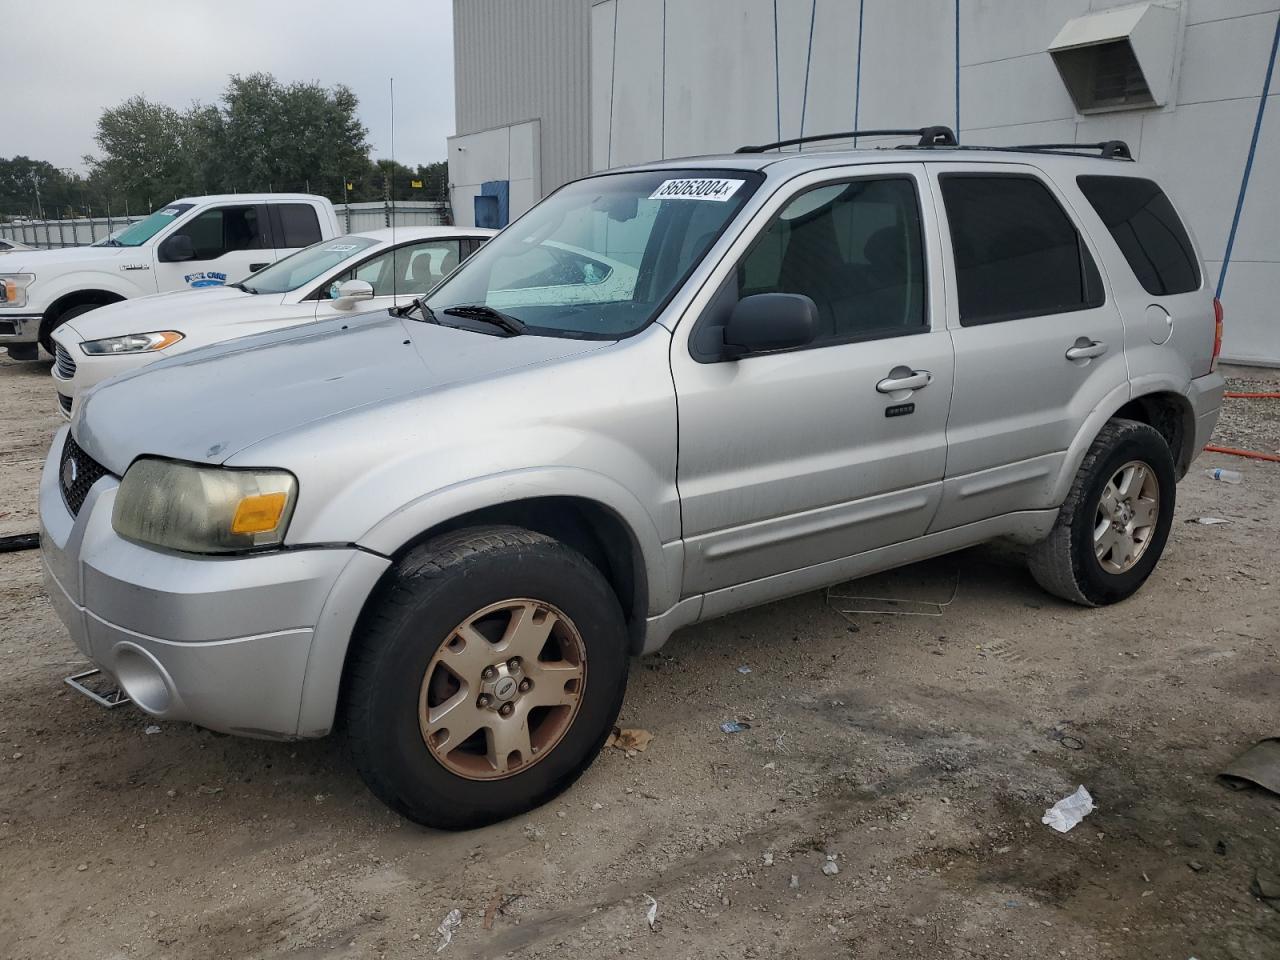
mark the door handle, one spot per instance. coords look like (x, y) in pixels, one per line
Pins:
(904, 378)
(1086, 349)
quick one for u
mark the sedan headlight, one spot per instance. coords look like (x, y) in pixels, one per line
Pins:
(132, 343)
(13, 288)
(196, 509)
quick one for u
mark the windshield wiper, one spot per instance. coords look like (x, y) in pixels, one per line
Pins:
(514, 326)
(242, 286)
(417, 303)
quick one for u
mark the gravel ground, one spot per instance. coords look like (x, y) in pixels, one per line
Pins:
(914, 753)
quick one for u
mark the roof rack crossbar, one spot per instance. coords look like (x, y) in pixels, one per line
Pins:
(1110, 149)
(929, 137)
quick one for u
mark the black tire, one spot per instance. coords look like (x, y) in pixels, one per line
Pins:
(24, 352)
(47, 328)
(1065, 563)
(426, 596)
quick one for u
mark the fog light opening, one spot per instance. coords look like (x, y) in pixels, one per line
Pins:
(142, 680)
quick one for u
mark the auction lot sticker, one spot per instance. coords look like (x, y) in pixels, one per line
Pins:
(715, 189)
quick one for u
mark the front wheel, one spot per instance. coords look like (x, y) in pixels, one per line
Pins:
(485, 677)
(1115, 521)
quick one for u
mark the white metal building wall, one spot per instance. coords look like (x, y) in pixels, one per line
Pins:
(680, 77)
(517, 61)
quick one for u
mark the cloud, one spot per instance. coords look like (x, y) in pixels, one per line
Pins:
(66, 61)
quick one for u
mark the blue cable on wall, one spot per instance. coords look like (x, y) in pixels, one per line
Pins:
(1248, 163)
(957, 69)
(808, 61)
(777, 73)
(613, 79)
(857, 73)
(662, 136)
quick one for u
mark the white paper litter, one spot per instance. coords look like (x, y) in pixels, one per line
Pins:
(1069, 811)
(652, 914)
(451, 922)
(1211, 521)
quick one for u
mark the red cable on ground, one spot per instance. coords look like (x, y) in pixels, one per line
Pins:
(1251, 454)
(1253, 396)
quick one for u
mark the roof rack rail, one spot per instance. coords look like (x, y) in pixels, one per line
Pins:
(929, 137)
(1110, 149)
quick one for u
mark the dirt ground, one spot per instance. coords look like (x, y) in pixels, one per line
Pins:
(917, 751)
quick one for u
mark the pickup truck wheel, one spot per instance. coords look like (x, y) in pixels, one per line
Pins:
(1114, 524)
(46, 329)
(485, 676)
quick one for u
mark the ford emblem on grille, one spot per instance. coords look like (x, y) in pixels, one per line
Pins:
(70, 470)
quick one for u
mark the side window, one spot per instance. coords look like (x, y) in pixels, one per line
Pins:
(413, 269)
(1147, 230)
(855, 249)
(1017, 253)
(224, 229)
(299, 225)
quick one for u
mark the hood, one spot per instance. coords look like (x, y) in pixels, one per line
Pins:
(183, 310)
(30, 261)
(207, 405)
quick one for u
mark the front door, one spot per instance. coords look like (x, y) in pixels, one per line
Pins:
(1039, 345)
(228, 243)
(793, 458)
(397, 276)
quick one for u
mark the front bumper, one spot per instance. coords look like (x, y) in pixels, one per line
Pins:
(88, 371)
(250, 645)
(18, 329)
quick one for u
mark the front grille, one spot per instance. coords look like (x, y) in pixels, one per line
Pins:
(64, 364)
(65, 403)
(76, 474)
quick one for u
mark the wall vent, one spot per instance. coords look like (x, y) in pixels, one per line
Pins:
(1118, 59)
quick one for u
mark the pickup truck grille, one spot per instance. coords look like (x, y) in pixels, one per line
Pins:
(64, 364)
(77, 472)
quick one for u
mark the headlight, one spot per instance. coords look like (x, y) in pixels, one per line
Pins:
(203, 509)
(132, 343)
(13, 288)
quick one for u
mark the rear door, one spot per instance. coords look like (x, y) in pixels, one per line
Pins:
(1038, 342)
(793, 458)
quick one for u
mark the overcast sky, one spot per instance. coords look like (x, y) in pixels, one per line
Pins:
(64, 61)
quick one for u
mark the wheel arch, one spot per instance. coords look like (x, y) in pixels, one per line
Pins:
(96, 297)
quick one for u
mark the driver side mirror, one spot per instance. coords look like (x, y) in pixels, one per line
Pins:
(766, 322)
(176, 249)
(350, 292)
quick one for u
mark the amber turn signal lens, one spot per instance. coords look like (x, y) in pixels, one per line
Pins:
(259, 513)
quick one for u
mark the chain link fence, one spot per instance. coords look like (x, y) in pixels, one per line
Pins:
(352, 218)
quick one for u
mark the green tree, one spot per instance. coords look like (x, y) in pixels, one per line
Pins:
(143, 160)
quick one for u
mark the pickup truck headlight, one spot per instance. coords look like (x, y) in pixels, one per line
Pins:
(132, 343)
(13, 288)
(194, 509)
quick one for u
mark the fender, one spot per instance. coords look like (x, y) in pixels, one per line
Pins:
(408, 522)
(1104, 411)
(59, 286)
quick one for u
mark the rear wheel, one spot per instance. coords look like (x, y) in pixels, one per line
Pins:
(1115, 521)
(485, 677)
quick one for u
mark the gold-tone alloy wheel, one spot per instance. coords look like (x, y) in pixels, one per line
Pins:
(1126, 517)
(502, 689)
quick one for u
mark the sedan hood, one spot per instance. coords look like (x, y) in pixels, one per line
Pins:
(184, 310)
(207, 405)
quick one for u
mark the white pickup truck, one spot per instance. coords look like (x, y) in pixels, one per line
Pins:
(190, 243)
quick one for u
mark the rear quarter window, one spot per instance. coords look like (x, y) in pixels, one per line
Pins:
(1147, 230)
(298, 224)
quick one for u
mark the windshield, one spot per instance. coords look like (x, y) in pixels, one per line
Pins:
(306, 265)
(600, 257)
(142, 231)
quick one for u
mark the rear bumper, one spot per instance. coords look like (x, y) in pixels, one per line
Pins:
(1205, 396)
(250, 645)
(19, 329)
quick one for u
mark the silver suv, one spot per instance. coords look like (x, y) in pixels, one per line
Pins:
(664, 394)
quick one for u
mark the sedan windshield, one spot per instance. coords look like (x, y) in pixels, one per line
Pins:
(601, 257)
(306, 265)
(142, 231)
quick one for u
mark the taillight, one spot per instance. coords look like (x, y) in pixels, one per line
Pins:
(1217, 332)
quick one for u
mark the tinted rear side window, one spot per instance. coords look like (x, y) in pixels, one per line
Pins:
(299, 224)
(1017, 253)
(1147, 230)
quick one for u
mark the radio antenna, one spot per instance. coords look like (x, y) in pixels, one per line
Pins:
(391, 195)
